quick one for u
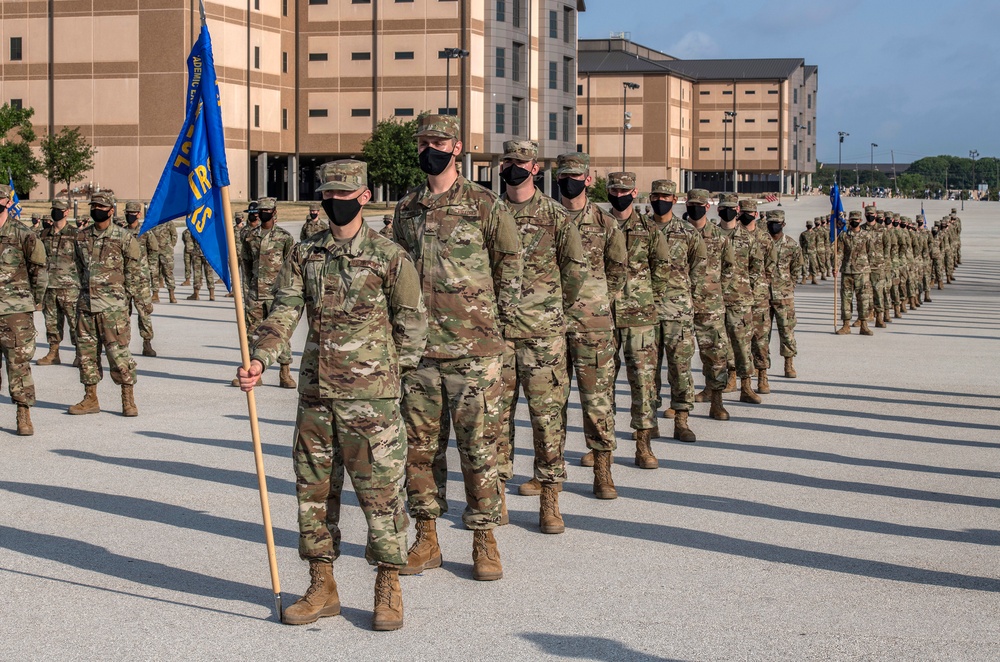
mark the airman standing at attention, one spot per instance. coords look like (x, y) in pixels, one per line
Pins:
(148, 246)
(854, 268)
(59, 306)
(386, 230)
(783, 265)
(314, 224)
(807, 244)
(762, 316)
(200, 268)
(162, 267)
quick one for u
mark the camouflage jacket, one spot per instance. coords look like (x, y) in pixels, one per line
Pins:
(187, 240)
(637, 303)
(604, 249)
(464, 243)
(906, 248)
(311, 227)
(166, 236)
(892, 239)
(783, 266)
(23, 276)
(852, 253)
(762, 286)
(822, 239)
(367, 322)
(935, 248)
(685, 270)
(807, 241)
(719, 257)
(110, 266)
(60, 249)
(148, 245)
(386, 231)
(740, 279)
(261, 257)
(923, 240)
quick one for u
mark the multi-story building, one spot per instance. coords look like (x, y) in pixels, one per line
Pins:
(702, 123)
(302, 81)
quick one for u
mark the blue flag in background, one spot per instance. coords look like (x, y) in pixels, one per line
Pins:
(836, 213)
(15, 202)
(191, 184)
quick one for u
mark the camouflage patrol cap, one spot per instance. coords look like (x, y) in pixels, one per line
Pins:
(622, 181)
(132, 207)
(343, 175)
(855, 215)
(809, 224)
(776, 215)
(698, 196)
(34, 217)
(573, 163)
(59, 204)
(5, 191)
(664, 187)
(872, 207)
(239, 216)
(728, 200)
(387, 219)
(954, 210)
(267, 204)
(520, 150)
(103, 198)
(315, 205)
(748, 204)
(47, 218)
(438, 126)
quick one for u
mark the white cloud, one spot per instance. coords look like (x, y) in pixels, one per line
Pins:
(695, 45)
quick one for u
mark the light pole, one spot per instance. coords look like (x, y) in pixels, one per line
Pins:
(871, 174)
(731, 114)
(795, 127)
(450, 54)
(840, 154)
(725, 149)
(627, 116)
(973, 154)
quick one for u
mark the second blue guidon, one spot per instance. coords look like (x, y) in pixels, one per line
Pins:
(836, 213)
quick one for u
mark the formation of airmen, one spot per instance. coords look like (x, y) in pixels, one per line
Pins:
(438, 322)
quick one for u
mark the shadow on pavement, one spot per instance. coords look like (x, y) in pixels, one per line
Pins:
(588, 648)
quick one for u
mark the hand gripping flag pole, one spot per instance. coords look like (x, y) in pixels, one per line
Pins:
(195, 185)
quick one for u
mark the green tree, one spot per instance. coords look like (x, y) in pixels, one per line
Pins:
(598, 191)
(17, 134)
(67, 156)
(391, 155)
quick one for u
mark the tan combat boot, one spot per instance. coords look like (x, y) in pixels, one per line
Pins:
(939, 285)
(388, 613)
(604, 484)
(865, 331)
(424, 554)
(147, 348)
(229, 295)
(211, 295)
(549, 518)
(485, 557)
(173, 299)
(814, 280)
(895, 312)
(320, 600)
(746, 392)
(718, 411)
(790, 368)
(187, 281)
(504, 515)
(844, 330)
(762, 386)
(704, 395)
(533, 487)
(731, 384)
(89, 404)
(587, 460)
(128, 402)
(285, 377)
(52, 358)
(667, 413)
(24, 426)
(856, 324)
(879, 324)
(194, 295)
(927, 296)
(644, 458)
(156, 296)
(681, 430)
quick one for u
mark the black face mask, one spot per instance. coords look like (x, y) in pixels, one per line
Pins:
(515, 175)
(934, 233)
(266, 216)
(855, 224)
(869, 218)
(434, 161)
(727, 214)
(314, 215)
(100, 215)
(747, 218)
(774, 228)
(341, 212)
(620, 202)
(661, 207)
(572, 188)
(895, 224)
(697, 213)
(131, 218)
(58, 215)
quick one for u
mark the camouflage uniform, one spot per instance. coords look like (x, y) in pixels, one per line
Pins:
(535, 356)
(386, 230)
(465, 246)
(367, 324)
(189, 248)
(163, 264)
(877, 255)
(262, 254)
(852, 251)
(110, 265)
(590, 337)
(23, 280)
(59, 306)
(739, 283)
(783, 265)
(709, 308)
(823, 248)
(761, 311)
(314, 222)
(149, 249)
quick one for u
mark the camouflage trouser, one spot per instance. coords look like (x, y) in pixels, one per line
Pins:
(58, 309)
(894, 291)
(878, 300)
(949, 264)
(783, 315)
(256, 311)
(112, 331)
(851, 287)
(188, 258)
(925, 276)
(713, 346)
(145, 320)
(366, 437)
(640, 345)
(760, 333)
(592, 357)
(676, 342)
(739, 328)
(538, 365)
(937, 270)
(17, 348)
(469, 390)
(199, 265)
(165, 268)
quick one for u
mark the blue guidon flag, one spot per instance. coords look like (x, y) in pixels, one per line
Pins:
(191, 184)
(15, 202)
(836, 213)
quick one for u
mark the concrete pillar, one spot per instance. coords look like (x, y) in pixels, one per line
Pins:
(547, 179)
(467, 167)
(783, 186)
(495, 173)
(380, 193)
(262, 175)
(293, 179)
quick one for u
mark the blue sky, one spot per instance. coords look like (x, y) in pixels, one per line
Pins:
(918, 77)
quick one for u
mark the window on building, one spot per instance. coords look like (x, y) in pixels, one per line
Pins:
(256, 116)
(256, 57)
(809, 128)
(750, 120)
(501, 11)
(704, 121)
(809, 154)
(361, 56)
(727, 91)
(705, 93)
(579, 147)
(567, 73)
(404, 55)
(579, 90)
(355, 2)
(795, 95)
(320, 2)
(16, 104)
(284, 7)
(749, 149)
(402, 1)
(553, 126)
(772, 149)
(772, 91)
(284, 119)
(319, 57)
(702, 149)
(403, 112)
(682, 122)
(772, 121)
(256, 4)
(515, 18)
(515, 116)
(501, 62)
(567, 123)
(553, 24)
(515, 66)
(579, 119)
(568, 32)
(361, 112)
(749, 91)
(809, 101)
(318, 112)
(284, 62)
(795, 152)
(501, 119)
(727, 149)
(448, 111)
(553, 76)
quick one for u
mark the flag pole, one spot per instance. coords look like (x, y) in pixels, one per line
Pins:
(258, 454)
(836, 291)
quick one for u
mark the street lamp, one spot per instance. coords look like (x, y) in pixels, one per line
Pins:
(973, 154)
(840, 154)
(796, 128)
(731, 114)
(871, 175)
(450, 54)
(626, 123)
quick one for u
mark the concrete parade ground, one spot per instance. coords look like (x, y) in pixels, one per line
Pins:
(855, 515)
